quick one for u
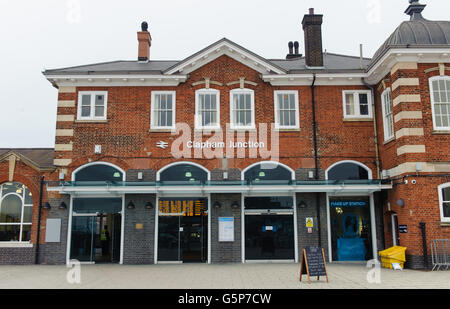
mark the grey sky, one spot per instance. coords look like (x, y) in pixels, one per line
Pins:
(46, 34)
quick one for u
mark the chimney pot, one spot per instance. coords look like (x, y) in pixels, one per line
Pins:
(291, 48)
(296, 46)
(311, 11)
(145, 41)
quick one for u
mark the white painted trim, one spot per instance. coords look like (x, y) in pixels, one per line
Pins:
(153, 126)
(93, 94)
(155, 258)
(445, 78)
(113, 80)
(276, 108)
(15, 244)
(209, 229)
(296, 229)
(336, 79)
(369, 171)
(267, 162)
(394, 230)
(373, 227)
(122, 230)
(233, 125)
(242, 229)
(330, 249)
(99, 163)
(158, 174)
(356, 104)
(441, 201)
(224, 48)
(197, 116)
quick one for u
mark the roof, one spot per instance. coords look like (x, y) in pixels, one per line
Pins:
(40, 157)
(416, 33)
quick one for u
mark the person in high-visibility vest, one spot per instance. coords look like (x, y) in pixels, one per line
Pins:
(104, 238)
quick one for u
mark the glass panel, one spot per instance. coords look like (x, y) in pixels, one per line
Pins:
(99, 111)
(363, 104)
(184, 172)
(446, 194)
(26, 233)
(269, 202)
(163, 102)
(349, 104)
(269, 237)
(348, 171)
(12, 187)
(28, 197)
(350, 229)
(82, 244)
(11, 209)
(86, 100)
(436, 97)
(9, 232)
(268, 171)
(169, 120)
(99, 172)
(446, 210)
(169, 238)
(169, 101)
(99, 100)
(27, 214)
(100, 205)
(292, 101)
(85, 111)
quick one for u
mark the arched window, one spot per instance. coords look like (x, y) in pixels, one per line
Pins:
(266, 171)
(98, 172)
(440, 102)
(183, 172)
(444, 201)
(16, 209)
(348, 170)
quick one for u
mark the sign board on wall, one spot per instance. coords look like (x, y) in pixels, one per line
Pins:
(53, 230)
(226, 229)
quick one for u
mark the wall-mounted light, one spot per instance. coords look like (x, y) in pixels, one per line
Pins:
(235, 205)
(149, 205)
(262, 174)
(401, 202)
(302, 205)
(188, 174)
(47, 205)
(62, 206)
(131, 205)
(217, 204)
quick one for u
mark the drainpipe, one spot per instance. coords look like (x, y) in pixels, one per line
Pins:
(36, 258)
(316, 157)
(377, 153)
(424, 244)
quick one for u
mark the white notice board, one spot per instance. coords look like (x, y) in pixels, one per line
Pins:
(226, 229)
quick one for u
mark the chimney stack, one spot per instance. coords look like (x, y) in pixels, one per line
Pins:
(312, 26)
(145, 41)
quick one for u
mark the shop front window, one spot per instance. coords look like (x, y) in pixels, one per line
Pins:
(16, 208)
(350, 228)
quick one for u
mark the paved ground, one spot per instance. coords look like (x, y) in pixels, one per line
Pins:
(228, 276)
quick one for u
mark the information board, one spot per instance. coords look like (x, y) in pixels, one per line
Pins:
(313, 263)
(226, 229)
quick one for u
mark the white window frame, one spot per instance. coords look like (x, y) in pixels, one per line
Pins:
(21, 223)
(198, 119)
(92, 114)
(387, 137)
(441, 201)
(277, 105)
(356, 94)
(445, 78)
(233, 124)
(153, 125)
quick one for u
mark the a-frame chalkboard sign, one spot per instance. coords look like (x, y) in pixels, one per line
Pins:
(313, 263)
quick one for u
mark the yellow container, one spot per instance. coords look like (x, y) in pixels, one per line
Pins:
(393, 255)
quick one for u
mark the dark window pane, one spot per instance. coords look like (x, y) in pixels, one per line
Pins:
(100, 205)
(184, 172)
(27, 214)
(26, 233)
(12, 187)
(11, 209)
(99, 111)
(268, 171)
(268, 202)
(9, 232)
(85, 111)
(348, 171)
(446, 208)
(99, 172)
(28, 197)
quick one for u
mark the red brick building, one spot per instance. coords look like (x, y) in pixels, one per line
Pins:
(226, 156)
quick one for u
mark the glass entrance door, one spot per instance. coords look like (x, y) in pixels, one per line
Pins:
(182, 230)
(83, 237)
(269, 237)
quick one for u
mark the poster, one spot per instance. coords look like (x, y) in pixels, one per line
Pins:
(226, 229)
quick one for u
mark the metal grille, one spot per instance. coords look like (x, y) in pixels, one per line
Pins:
(440, 254)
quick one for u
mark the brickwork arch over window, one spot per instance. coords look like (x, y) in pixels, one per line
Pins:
(183, 171)
(444, 201)
(440, 102)
(348, 170)
(268, 171)
(98, 171)
(16, 209)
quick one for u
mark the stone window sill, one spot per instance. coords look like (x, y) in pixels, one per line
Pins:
(357, 119)
(162, 131)
(445, 224)
(12, 244)
(91, 121)
(389, 140)
(440, 132)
